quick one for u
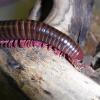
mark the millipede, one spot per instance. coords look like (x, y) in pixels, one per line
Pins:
(15, 33)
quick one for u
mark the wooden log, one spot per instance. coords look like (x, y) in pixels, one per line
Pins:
(46, 76)
(72, 17)
(35, 13)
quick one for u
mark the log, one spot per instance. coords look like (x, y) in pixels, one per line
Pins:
(72, 17)
(35, 13)
(43, 75)
(48, 77)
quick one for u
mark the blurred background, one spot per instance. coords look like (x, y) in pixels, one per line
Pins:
(96, 20)
(15, 9)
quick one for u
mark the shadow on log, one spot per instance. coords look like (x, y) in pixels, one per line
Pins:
(9, 88)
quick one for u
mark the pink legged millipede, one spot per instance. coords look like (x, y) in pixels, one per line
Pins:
(13, 32)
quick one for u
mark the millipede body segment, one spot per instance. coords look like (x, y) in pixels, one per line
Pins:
(12, 31)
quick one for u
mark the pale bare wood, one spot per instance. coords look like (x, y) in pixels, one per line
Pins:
(72, 17)
(60, 15)
(47, 76)
(34, 15)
